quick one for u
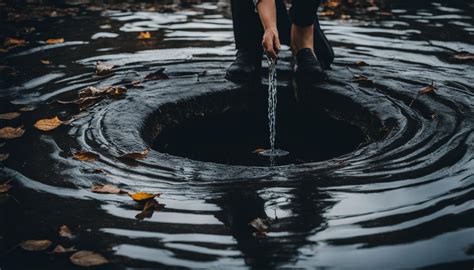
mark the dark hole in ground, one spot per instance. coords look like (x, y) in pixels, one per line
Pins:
(307, 132)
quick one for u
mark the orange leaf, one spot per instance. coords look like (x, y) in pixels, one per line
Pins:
(11, 132)
(45, 62)
(55, 40)
(35, 245)
(144, 35)
(85, 156)
(48, 124)
(142, 196)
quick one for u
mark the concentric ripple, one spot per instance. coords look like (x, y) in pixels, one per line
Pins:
(403, 199)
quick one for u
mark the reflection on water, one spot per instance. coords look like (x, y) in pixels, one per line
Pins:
(401, 200)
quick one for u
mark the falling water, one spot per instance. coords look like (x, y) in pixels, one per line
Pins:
(272, 103)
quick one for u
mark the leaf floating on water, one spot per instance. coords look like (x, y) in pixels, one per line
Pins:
(48, 124)
(464, 56)
(35, 245)
(11, 132)
(27, 109)
(13, 42)
(136, 155)
(92, 91)
(64, 231)
(150, 207)
(4, 157)
(361, 79)
(87, 258)
(45, 62)
(85, 156)
(55, 40)
(361, 63)
(59, 249)
(5, 187)
(102, 68)
(142, 196)
(428, 89)
(258, 150)
(259, 226)
(144, 35)
(106, 189)
(157, 75)
(9, 116)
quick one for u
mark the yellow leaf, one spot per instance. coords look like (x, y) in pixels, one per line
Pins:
(48, 124)
(55, 40)
(144, 35)
(35, 245)
(11, 132)
(142, 196)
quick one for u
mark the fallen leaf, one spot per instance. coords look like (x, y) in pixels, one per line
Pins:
(45, 62)
(4, 157)
(11, 132)
(5, 187)
(87, 258)
(136, 155)
(142, 196)
(326, 13)
(361, 79)
(91, 91)
(85, 156)
(27, 109)
(106, 189)
(361, 63)
(64, 231)
(258, 150)
(102, 68)
(148, 209)
(9, 116)
(13, 42)
(259, 226)
(464, 56)
(35, 245)
(48, 124)
(55, 40)
(59, 249)
(144, 35)
(157, 75)
(428, 89)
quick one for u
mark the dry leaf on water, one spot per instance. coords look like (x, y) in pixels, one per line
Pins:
(48, 124)
(45, 62)
(4, 156)
(85, 156)
(149, 208)
(13, 42)
(55, 40)
(9, 116)
(35, 245)
(5, 187)
(258, 150)
(464, 56)
(259, 226)
(87, 258)
(91, 91)
(11, 132)
(142, 196)
(144, 35)
(64, 231)
(102, 68)
(60, 249)
(361, 79)
(157, 75)
(136, 155)
(27, 109)
(428, 89)
(361, 63)
(106, 189)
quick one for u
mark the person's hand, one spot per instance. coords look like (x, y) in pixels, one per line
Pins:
(271, 42)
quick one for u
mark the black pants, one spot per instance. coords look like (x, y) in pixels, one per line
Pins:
(248, 30)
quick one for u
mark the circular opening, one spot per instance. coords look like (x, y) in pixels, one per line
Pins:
(237, 132)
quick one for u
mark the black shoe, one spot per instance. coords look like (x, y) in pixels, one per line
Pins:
(245, 67)
(308, 67)
(322, 47)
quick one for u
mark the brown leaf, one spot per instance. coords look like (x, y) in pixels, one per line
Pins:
(91, 91)
(142, 196)
(4, 156)
(148, 209)
(55, 40)
(27, 109)
(361, 63)
(106, 189)
(464, 56)
(259, 226)
(326, 13)
(64, 231)
(48, 124)
(144, 35)
(5, 187)
(35, 245)
(85, 156)
(14, 42)
(428, 89)
(9, 116)
(59, 249)
(157, 75)
(87, 258)
(258, 150)
(361, 79)
(11, 132)
(102, 68)
(45, 62)
(136, 155)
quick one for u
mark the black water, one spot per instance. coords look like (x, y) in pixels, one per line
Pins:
(384, 185)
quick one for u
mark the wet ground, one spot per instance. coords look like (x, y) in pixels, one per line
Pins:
(379, 175)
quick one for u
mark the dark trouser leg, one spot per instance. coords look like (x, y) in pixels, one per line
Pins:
(303, 12)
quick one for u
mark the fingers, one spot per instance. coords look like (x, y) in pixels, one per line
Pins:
(269, 48)
(276, 44)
